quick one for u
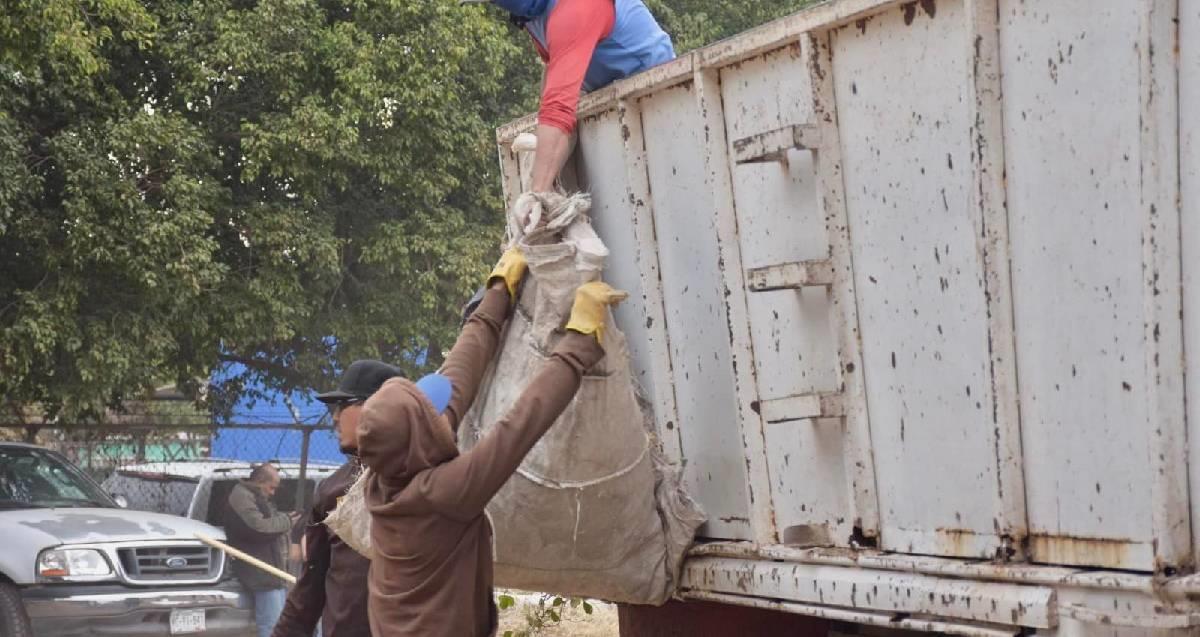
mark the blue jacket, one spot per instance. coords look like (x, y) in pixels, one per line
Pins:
(635, 44)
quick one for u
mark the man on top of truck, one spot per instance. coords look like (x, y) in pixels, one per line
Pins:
(586, 44)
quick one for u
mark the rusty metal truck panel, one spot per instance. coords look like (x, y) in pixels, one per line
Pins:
(916, 302)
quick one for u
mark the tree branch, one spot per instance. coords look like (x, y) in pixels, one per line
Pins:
(267, 367)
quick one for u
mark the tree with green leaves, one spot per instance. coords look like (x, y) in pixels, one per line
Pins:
(696, 23)
(290, 184)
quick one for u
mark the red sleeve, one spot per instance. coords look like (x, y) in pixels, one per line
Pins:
(574, 29)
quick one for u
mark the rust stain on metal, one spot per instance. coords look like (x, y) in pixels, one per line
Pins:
(1065, 549)
(740, 145)
(910, 10)
(956, 541)
(808, 535)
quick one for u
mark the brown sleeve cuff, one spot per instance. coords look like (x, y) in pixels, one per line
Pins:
(580, 351)
(495, 306)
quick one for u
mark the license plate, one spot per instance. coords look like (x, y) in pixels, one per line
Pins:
(184, 622)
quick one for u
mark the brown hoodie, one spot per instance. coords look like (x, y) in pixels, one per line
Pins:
(432, 573)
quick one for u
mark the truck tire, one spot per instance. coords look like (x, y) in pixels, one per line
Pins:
(13, 620)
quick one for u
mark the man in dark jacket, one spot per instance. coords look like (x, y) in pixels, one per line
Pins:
(255, 526)
(332, 588)
(432, 574)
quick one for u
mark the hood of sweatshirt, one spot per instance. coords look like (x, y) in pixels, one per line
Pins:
(401, 434)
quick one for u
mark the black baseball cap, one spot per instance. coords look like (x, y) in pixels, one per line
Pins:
(361, 379)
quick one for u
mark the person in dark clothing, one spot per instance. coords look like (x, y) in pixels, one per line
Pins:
(432, 572)
(332, 587)
(255, 526)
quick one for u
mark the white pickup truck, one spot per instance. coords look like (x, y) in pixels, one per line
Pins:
(75, 564)
(198, 489)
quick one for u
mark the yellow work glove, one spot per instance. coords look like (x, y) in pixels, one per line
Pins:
(511, 268)
(590, 311)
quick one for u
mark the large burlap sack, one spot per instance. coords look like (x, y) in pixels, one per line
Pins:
(594, 510)
(350, 519)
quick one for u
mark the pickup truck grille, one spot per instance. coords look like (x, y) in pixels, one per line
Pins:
(169, 563)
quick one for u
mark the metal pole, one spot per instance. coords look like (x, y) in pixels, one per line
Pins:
(302, 485)
(305, 438)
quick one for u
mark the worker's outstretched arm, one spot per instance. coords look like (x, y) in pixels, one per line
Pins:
(461, 488)
(573, 30)
(306, 601)
(480, 336)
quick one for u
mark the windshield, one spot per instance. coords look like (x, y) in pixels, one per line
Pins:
(35, 478)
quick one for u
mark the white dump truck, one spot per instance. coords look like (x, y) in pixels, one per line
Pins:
(916, 300)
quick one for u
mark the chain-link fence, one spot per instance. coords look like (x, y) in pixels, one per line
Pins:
(189, 469)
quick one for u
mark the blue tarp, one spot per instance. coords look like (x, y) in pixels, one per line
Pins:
(274, 444)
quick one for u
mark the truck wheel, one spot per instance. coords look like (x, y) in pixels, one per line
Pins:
(13, 621)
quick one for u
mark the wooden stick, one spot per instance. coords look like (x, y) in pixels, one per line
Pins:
(252, 561)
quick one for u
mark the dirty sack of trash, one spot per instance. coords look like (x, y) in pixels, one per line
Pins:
(594, 510)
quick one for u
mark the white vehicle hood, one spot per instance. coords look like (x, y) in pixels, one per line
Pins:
(80, 525)
(26, 532)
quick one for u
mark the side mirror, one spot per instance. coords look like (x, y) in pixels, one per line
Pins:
(121, 501)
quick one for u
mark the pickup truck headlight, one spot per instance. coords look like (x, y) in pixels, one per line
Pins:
(73, 565)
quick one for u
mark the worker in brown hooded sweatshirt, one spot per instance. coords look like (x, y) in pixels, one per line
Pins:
(432, 571)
